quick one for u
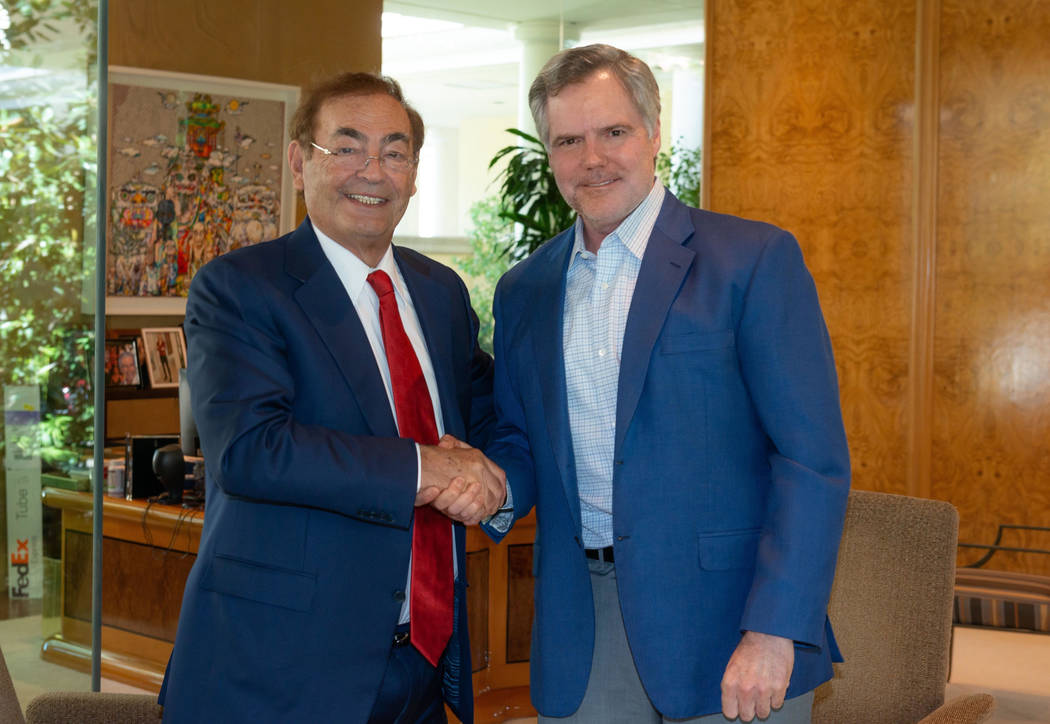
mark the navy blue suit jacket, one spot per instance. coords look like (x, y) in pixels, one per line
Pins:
(290, 608)
(731, 468)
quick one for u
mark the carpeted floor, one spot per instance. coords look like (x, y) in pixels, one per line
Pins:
(1014, 667)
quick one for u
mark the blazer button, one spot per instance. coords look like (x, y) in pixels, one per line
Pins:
(399, 595)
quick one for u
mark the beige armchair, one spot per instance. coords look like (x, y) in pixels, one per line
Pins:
(62, 707)
(891, 608)
(68, 707)
(10, 710)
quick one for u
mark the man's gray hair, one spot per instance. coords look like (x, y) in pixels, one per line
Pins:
(576, 65)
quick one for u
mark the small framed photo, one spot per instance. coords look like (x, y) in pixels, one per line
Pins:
(165, 351)
(122, 363)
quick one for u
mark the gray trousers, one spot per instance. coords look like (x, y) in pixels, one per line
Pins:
(615, 694)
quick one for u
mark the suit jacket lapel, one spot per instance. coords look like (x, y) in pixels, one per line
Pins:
(664, 265)
(430, 300)
(339, 327)
(548, 309)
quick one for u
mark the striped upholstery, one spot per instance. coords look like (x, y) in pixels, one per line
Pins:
(1002, 599)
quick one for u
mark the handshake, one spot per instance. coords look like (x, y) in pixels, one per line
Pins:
(459, 481)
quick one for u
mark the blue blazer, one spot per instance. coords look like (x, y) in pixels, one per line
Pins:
(731, 469)
(290, 608)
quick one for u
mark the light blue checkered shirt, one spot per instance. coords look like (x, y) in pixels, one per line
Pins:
(598, 292)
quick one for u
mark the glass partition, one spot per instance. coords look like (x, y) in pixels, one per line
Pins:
(467, 66)
(48, 123)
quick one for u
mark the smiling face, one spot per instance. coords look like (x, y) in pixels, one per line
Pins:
(601, 153)
(357, 208)
(129, 368)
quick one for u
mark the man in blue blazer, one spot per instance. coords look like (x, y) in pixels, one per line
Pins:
(666, 398)
(297, 607)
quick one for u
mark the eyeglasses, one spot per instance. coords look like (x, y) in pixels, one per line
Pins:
(352, 158)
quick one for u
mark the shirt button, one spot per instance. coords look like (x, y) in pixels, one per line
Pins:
(399, 595)
(601, 353)
(605, 285)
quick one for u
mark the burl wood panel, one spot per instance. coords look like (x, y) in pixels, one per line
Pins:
(478, 608)
(811, 127)
(991, 422)
(519, 602)
(141, 586)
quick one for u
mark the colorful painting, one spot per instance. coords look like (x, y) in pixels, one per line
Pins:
(196, 170)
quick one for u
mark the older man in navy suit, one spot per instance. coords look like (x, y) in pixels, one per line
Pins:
(666, 398)
(324, 367)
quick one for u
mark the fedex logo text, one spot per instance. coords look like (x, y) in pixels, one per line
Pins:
(20, 570)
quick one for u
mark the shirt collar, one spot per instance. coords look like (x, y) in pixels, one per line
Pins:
(634, 231)
(353, 272)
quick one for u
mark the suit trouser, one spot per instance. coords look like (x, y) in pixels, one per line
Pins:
(411, 689)
(614, 692)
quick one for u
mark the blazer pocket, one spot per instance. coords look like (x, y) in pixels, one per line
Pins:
(697, 342)
(264, 584)
(728, 550)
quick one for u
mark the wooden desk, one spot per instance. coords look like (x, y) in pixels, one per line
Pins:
(147, 552)
(147, 556)
(499, 611)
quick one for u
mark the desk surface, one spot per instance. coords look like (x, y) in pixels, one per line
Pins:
(145, 570)
(147, 549)
(137, 521)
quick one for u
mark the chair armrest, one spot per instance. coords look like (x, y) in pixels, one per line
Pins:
(93, 708)
(971, 709)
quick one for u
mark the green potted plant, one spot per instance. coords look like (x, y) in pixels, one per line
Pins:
(528, 195)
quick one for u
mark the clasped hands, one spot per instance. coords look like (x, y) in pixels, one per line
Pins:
(459, 481)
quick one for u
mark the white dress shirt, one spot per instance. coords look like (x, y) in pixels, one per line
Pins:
(353, 273)
(598, 293)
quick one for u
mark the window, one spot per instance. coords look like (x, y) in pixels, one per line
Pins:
(467, 65)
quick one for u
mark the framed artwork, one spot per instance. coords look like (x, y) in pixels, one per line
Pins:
(165, 351)
(196, 168)
(122, 363)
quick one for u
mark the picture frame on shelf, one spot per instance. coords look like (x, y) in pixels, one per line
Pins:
(165, 351)
(196, 169)
(123, 365)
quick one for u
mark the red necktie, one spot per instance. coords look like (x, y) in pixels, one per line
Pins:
(431, 590)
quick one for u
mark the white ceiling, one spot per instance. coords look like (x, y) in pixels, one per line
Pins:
(587, 13)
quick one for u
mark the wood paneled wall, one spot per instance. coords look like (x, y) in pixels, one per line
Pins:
(906, 143)
(273, 41)
(991, 402)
